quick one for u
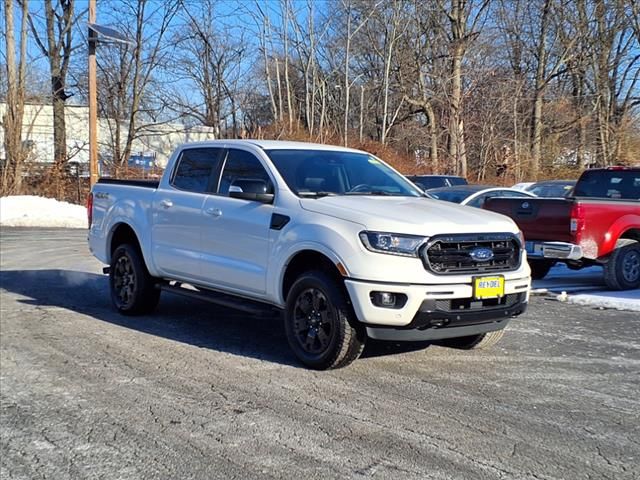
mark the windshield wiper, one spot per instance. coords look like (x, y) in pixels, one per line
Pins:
(371, 192)
(316, 194)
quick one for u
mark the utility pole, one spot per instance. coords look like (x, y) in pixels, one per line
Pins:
(93, 100)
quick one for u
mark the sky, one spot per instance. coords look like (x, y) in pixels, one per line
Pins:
(232, 13)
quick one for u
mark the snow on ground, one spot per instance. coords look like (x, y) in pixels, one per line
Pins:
(626, 300)
(586, 287)
(32, 211)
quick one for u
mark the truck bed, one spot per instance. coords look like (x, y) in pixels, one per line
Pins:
(547, 219)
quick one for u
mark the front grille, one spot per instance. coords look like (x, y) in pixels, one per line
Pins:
(451, 254)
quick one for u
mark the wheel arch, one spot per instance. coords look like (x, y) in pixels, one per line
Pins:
(632, 233)
(305, 260)
(121, 233)
(626, 227)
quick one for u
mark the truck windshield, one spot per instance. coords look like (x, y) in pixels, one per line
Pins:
(615, 184)
(315, 173)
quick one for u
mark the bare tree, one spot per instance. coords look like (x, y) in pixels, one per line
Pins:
(127, 74)
(209, 59)
(13, 118)
(464, 18)
(616, 70)
(418, 89)
(351, 31)
(56, 46)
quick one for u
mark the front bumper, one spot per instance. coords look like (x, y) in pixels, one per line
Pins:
(439, 306)
(554, 250)
(428, 334)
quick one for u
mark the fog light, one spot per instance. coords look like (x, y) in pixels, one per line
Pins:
(388, 299)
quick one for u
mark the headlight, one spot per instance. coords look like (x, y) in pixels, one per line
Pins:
(521, 238)
(392, 243)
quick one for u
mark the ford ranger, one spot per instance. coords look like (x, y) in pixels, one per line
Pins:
(598, 224)
(341, 243)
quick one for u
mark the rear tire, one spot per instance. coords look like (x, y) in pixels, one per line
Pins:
(133, 290)
(622, 270)
(475, 342)
(540, 268)
(320, 325)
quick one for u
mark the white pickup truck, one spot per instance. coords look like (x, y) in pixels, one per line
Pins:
(338, 240)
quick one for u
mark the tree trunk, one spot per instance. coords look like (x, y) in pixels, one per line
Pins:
(13, 118)
(538, 96)
(433, 136)
(361, 111)
(267, 71)
(279, 85)
(346, 81)
(457, 152)
(59, 53)
(287, 80)
(456, 131)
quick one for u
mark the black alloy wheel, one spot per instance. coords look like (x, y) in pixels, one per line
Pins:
(314, 323)
(124, 282)
(622, 270)
(320, 324)
(133, 289)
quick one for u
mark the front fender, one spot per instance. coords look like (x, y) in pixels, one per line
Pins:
(338, 242)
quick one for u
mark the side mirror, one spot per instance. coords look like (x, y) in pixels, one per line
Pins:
(251, 189)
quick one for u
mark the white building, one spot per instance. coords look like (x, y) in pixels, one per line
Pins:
(157, 141)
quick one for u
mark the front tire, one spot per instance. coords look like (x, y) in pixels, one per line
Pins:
(320, 324)
(622, 270)
(475, 342)
(133, 290)
(540, 268)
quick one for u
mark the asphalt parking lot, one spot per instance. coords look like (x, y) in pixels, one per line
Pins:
(199, 391)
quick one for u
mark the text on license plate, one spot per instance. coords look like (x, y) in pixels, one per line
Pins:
(488, 287)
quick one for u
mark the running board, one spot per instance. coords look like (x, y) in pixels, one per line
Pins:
(236, 303)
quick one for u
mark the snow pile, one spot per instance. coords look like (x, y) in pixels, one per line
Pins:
(32, 211)
(585, 287)
(625, 300)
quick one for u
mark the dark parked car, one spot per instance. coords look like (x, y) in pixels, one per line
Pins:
(425, 182)
(474, 195)
(552, 188)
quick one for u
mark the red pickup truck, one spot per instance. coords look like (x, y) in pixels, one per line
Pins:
(599, 224)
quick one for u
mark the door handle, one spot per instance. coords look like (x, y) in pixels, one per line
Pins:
(214, 212)
(166, 203)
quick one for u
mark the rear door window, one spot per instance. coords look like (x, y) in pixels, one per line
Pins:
(196, 169)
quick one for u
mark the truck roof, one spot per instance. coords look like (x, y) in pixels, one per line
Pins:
(633, 168)
(271, 145)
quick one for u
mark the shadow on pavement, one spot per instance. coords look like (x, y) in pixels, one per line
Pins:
(194, 322)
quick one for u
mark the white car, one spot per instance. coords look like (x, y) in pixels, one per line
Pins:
(475, 195)
(335, 238)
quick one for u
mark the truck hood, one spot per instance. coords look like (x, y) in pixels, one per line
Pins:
(410, 215)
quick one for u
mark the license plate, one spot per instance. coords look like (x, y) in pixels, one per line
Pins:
(488, 287)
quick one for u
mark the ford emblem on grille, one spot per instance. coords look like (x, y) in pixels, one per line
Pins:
(481, 254)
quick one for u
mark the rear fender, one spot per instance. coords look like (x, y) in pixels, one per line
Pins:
(136, 216)
(621, 226)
